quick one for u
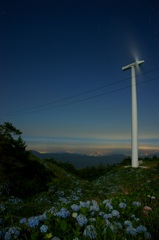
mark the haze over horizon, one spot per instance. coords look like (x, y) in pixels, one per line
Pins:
(89, 148)
(61, 74)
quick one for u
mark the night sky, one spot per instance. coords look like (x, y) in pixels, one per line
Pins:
(61, 74)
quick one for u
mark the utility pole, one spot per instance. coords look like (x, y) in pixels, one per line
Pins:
(134, 133)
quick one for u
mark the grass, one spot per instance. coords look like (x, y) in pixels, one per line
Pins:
(122, 204)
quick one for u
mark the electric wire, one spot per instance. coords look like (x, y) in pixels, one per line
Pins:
(82, 93)
(79, 100)
(73, 96)
(70, 97)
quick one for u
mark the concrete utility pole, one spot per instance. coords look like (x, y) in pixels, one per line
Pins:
(134, 136)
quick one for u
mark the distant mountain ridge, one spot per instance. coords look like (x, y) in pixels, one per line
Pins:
(82, 160)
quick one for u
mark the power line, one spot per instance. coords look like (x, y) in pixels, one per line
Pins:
(70, 97)
(76, 95)
(79, 100)
(73, 96)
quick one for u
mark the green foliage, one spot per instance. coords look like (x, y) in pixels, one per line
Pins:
(126, 162)
(67, 166)
(88, 173)
(92, 173)
(23, 175)
(133, 193)
(121, 185)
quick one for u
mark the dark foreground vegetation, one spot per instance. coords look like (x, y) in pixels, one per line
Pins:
(48, 199)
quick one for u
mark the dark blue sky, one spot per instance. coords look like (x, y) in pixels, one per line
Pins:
(61, 78)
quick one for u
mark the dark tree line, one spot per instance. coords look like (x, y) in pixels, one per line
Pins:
(88, 173)
(23, 175)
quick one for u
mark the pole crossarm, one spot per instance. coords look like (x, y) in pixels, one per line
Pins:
(135, 64)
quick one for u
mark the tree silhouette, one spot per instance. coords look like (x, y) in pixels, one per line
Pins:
(23, 175)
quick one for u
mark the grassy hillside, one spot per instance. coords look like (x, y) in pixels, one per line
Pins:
(121, 204)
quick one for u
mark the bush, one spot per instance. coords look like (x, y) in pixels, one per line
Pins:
(23, 175)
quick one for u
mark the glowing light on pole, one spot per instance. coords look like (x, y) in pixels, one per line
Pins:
(134, 136)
